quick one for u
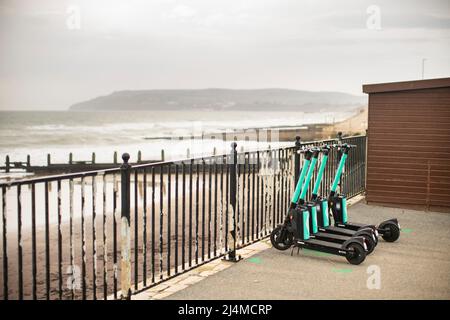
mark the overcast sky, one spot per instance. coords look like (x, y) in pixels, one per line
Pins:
(51, 57)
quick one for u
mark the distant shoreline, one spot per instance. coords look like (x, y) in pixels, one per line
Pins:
(313, 131)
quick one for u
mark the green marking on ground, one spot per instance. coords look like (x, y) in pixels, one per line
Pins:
(316, 253)
(406, 230)
(256, 260)
(342, 270)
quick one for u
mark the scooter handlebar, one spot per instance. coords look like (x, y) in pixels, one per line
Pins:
(304, 150)
(321, 148)
(326, 147)
(347, 146)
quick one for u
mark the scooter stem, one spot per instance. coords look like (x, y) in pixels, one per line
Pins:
(323, 163)
(309, 176)
(337, 177)
(298, 187)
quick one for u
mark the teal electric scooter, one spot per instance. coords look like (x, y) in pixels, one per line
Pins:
(318, 206)
(284, 232)
(389, 229)
(295, 231)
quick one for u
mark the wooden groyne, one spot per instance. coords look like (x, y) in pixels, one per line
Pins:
(69, 167)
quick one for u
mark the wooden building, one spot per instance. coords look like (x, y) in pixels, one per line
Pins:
(408, 152)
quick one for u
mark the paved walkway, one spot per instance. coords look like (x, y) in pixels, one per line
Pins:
(415, 267)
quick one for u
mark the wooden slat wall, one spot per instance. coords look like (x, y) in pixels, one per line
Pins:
(408, 156)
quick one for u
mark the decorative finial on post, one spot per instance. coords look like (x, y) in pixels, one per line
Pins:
(297, 141)
(340, 136)
(234, 153)
(125, 158)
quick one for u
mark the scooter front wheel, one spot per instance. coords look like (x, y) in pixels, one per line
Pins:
(281, 238)
(392, 232)
(357, 254)
(370, 243)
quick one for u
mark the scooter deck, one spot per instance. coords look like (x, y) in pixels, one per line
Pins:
(336, 238)
(378, 230)
(322, 246)
(323, 243)
(354, 226)
(339, 231)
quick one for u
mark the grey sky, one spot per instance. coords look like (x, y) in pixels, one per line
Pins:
(300, 44)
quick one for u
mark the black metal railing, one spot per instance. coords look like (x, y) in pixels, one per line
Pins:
(63, 235)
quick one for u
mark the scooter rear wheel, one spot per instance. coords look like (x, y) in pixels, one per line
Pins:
(392, 233)
(277, 242)
(358, 255)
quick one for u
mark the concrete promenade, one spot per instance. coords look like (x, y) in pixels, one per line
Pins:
(415, 267)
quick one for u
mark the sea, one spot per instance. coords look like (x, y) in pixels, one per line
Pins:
(58, 133)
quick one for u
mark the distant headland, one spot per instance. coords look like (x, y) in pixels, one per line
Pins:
(223, 100)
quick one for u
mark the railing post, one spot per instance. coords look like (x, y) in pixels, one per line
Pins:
(139, 157)
(48, 159)
(7, 164)
(93, 158)
(365, 143)
(70, 158)
(28, 160)
(339, 137)
(125, 271)
(231, 255)
(298, 145)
